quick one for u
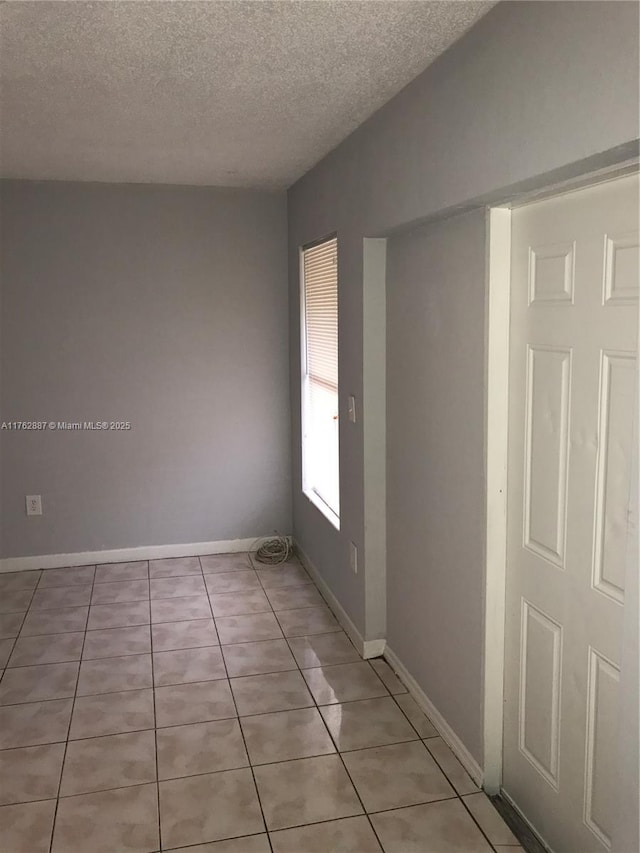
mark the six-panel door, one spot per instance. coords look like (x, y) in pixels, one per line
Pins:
(572, 385)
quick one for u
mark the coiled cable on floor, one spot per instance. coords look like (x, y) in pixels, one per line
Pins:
(274, 551)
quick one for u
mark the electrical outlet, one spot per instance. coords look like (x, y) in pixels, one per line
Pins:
(34, 504)
(353, 557)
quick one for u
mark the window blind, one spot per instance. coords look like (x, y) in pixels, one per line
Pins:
(320, 391)
(321, 312)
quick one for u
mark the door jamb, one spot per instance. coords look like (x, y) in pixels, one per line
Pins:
(498, 289)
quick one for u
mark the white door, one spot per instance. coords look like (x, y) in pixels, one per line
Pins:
(572, 387)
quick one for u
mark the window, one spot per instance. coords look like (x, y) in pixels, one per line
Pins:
(320, 428)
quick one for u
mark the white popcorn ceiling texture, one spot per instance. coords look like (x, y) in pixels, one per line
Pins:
(226, 92)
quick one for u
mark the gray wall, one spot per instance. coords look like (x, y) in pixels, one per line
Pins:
(163, 306)
(435, 463)
(533, 93)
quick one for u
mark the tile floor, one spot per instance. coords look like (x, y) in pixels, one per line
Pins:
(213, 705)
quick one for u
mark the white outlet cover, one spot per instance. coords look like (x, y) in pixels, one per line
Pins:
(34, 504)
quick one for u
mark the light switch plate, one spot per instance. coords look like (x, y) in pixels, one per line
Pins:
(353, 556)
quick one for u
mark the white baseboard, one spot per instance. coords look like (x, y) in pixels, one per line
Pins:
(376, 648)
(367, 648)
(126, 555)
(444, 729)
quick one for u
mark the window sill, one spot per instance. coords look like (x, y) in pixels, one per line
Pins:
(323, 507)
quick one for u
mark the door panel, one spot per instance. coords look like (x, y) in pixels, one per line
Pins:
(572, 390)
(613, 473)
(541, 654)
(602, 718)
(546, 453)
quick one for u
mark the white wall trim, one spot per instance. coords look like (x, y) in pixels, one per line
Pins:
(367, 648)
(498, 284)
(374, 433)
(373, 648)
(126, 555)
(444, 729)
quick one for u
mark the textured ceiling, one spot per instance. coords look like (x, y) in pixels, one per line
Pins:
(225, 92)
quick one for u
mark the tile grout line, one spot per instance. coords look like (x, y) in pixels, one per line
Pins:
(217, 719)
(73, 705)
(317, 709)
(475, 820)
(24, 616)
(155, 717)
(209, 773)
(364, 814)
(106, 790)
(54, 633)
(341, 759)
(406, 716)
(93, 737)
(299, 672)
(244, 741)
(211, 680)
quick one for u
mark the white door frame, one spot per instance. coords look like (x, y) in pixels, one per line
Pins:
(498, 289)
(498, 292)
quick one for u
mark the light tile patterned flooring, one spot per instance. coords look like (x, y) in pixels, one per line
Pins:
(213, 705)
